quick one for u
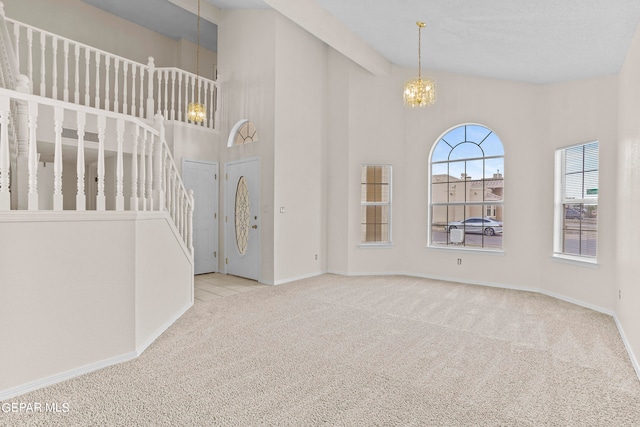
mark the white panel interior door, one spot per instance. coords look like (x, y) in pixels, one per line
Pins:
(202, 178)
(242, 207)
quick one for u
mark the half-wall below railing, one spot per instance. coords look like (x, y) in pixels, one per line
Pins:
(132, 164)
(63, 69)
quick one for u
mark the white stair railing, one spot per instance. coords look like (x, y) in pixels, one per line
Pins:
(155, 182)
(177, 88)
(63, 69)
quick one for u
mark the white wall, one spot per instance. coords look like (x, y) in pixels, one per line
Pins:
(104, 287)
(382, 130)
(573, 113)
(628, 203)
(247, 48)
(336, 168)
(163, 278)
(300, 133)
(76, 307)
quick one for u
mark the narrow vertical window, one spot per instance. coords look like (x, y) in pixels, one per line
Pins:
(375, 200)
(576, 219)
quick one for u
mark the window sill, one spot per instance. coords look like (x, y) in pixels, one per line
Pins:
(452, 248)
(576, 260)
(375, 245)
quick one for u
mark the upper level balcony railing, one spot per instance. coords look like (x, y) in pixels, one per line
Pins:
(149, 182)
(63, 69)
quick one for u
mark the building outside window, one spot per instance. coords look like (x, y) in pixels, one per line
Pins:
(375, 201)
(576, 207)
(467, 189)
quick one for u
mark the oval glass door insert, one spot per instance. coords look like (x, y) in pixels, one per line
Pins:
(242, 215)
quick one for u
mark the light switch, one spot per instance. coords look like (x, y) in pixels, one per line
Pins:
(282, 209)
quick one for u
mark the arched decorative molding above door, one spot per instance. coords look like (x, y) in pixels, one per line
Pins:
(243, 132)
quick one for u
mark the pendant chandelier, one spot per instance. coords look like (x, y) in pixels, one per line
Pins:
(197, 112)
(420, 92)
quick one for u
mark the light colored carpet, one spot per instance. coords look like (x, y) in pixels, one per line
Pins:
(364, 351)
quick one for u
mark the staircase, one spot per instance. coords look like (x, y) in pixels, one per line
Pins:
(92, 206)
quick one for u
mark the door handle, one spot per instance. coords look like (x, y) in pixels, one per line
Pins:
(254, 226)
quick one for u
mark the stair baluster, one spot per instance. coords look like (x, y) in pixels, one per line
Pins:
(81, 198)
(120, 166)
(149, 190)
(101, 198)
(116, 87)
(30, 55)
(97, 96)
(133, 202)
(65, 91)
(57, 160)
(134, 74)
(43, 46)
(76, 88)
(125, 72)
(33, 156)
(142, 174)
(87, 60)
(107, 88)
(54, 71)
(141, 113)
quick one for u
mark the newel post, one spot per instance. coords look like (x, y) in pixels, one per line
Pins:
(158, 169)
(151, 67)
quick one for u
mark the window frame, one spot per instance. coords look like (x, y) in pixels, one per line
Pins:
(388, 203)
(467, 203)
(560, 201)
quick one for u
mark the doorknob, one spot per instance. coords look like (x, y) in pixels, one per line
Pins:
(254, 226)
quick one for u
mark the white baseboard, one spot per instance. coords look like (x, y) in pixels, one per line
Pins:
(380, 273)
(146, 343)
(632, 356)
(578, 302)
(63, 376)
(442, 278)
(293, 279)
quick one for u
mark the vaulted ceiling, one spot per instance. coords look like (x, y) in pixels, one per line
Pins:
(535, 41)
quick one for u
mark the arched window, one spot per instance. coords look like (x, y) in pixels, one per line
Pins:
(467, 189)
(243, 132)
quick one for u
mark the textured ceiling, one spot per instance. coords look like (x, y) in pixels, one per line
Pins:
(163, 17)
(536, 41)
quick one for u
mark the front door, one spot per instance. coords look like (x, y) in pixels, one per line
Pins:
(202, 178)
(242, 211)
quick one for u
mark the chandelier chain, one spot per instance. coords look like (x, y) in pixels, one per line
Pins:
(196, 111)
(419, 49)
(198, 48)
